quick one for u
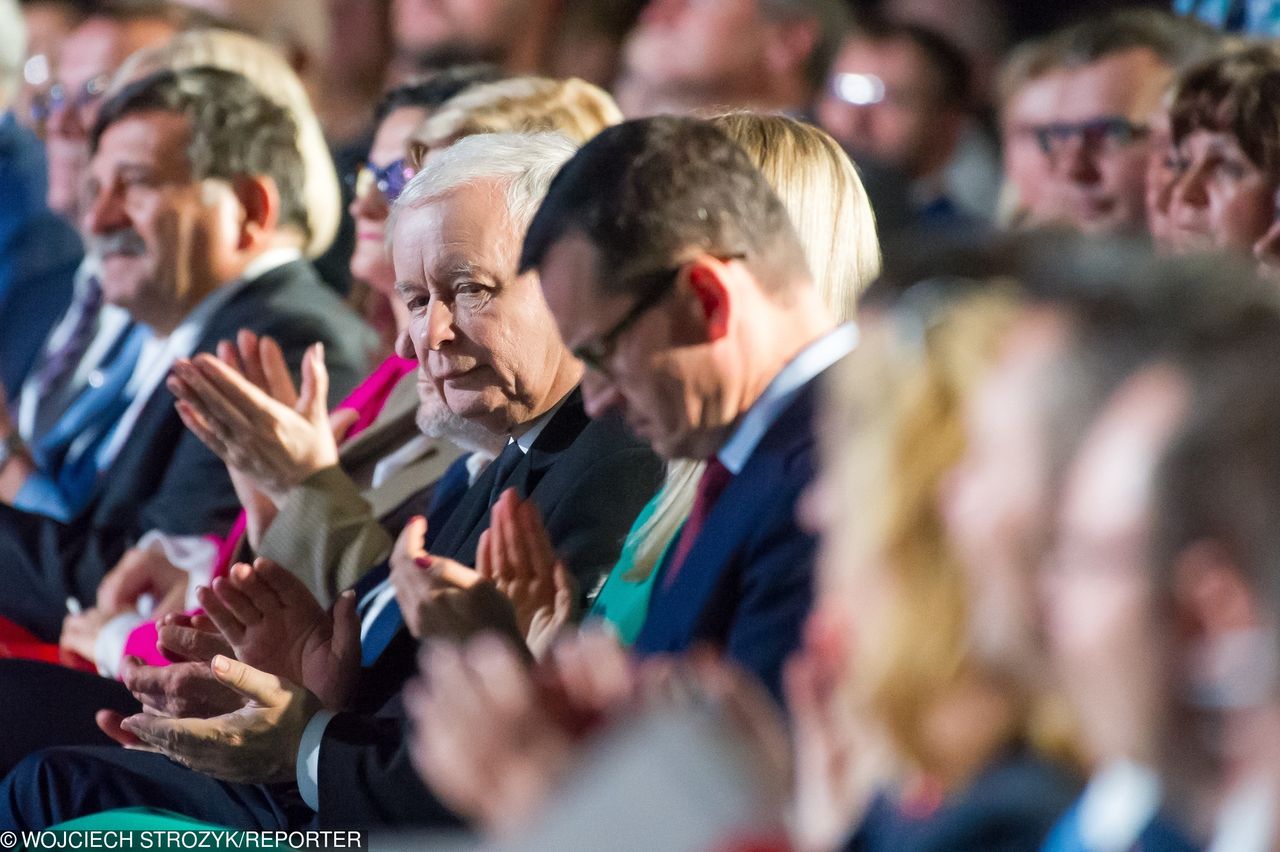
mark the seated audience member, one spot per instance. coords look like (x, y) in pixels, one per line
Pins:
(88, 336)
(1109, 74)
(40, 252)
(1160, 598)
(907, 738)
(1226, 161)
(47, 23)
(900, 95)
(674, 273)
(823, 195)
(376, 185)
(574, 108)
(267, 69)
(127, 464)
(685, 57)
(1026, 99)
(488, 343)
(297, 487)
(970, 762)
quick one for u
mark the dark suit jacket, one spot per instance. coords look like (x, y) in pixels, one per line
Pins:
(747, 583)
(589, 479)
(164, 478)
(1009, 807)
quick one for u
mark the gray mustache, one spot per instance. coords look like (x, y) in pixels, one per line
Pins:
(124, 241)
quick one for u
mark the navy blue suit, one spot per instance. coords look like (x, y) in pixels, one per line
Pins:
(746, 586)
(1009, 807)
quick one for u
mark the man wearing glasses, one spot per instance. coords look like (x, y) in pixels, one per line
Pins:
(675, 275)
(1110, 74)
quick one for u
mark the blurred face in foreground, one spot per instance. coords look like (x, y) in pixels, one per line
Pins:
(996, 502)
(1108, 635)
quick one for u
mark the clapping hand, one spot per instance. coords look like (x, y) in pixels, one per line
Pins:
(257, 743)
(274, 623)
(243, 406)
(516, 554)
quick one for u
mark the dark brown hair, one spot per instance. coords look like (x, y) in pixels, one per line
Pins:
(1237, 93)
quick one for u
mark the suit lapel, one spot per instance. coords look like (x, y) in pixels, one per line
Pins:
(459, 537)
(675, 612)
(394, 425)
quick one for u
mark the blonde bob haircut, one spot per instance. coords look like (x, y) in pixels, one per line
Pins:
(825, 198)
(267, 70)
(574, 108)
(893, 430)
(828, 205)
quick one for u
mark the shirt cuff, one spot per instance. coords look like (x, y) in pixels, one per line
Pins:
(308, 767)
(195, 554)
(108, 648)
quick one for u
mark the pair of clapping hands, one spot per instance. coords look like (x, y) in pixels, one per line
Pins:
(519, 588)
(243, 405)
(249, 673)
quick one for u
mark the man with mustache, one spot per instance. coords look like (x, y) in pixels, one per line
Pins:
(196, 185)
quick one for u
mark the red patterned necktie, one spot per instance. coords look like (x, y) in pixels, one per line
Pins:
(712, 484)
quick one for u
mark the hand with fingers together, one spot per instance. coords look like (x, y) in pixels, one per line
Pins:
(516, 554)
(442, 598)
(183, 638)
(242, 405)
(184, 690)
(274, 623)
(257, 743)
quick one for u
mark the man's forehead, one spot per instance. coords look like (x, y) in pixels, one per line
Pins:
(1123, 83)
(153, 136)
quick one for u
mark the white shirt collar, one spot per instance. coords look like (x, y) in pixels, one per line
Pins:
(1119, 802)
(799, 371)
(531, 434)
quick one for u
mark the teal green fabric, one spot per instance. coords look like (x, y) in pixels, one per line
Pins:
(137, 819)
(621, 602)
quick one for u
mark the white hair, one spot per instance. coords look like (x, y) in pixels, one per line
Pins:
(13, 50)
(521, 164)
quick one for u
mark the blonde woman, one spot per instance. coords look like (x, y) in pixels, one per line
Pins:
(573, 107)
(822, 193)
(889, 662)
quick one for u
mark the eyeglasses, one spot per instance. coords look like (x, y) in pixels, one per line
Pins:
(390, 179)
(1108, 133)
(44, 104)
(655, 286)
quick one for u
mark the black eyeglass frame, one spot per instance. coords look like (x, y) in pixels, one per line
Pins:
(597, 353)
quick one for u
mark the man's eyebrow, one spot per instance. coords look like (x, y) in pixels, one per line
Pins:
(406, 287)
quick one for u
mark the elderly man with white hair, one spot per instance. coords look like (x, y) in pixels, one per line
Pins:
(40, 251)
(306, 711)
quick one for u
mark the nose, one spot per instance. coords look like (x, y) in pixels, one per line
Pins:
(439, 328)
(370, 204)
(63, 120)
(599, 394)
(106, 212)
(1074, 161)
(1189, 190)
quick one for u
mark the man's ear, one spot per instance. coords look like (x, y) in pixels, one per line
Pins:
(707, 282)
(259, 197)
(1210, 591)
(790, 45)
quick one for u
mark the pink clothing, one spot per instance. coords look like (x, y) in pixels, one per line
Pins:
(367, 399)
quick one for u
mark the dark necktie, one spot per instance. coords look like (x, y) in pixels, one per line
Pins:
(62, 361)
(712, 484)
(504, 465)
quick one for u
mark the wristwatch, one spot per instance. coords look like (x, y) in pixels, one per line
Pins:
(10, 446)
